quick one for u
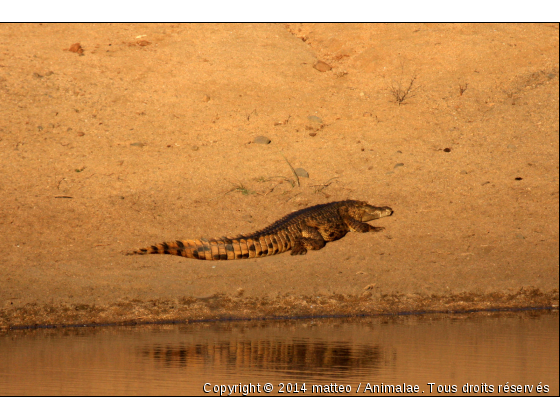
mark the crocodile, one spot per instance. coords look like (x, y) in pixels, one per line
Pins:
(309, 228)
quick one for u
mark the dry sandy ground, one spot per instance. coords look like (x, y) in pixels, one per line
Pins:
(147, 135)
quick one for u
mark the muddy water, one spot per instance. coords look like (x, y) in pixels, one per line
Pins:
(483, 354)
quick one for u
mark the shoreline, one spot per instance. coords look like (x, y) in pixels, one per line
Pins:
(223, 308)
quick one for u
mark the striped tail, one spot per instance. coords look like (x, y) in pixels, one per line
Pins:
(226, 248)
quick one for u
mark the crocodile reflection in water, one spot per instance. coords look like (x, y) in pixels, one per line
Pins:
(314, 356)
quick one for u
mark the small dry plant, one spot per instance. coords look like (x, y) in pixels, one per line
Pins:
(404, 88)
(240, 188)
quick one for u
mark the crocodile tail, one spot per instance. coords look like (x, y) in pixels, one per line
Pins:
(197, 249)
(225, 248)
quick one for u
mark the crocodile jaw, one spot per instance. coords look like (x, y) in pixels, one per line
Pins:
(372, 213)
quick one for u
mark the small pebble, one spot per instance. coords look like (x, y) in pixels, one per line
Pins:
(315, 119)
(312, 134)
(518, 178)
(76, 48)
(194, 148)
(447, 150)
(206, 98)
(301, 173)
(464, 172)
(519, 236)
(397, 165)
(138, 144)
(40, 128)
(261, 140)
(322, 66)
(80, 133)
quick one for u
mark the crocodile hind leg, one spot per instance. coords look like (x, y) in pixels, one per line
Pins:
(312, 239)
(357, 226)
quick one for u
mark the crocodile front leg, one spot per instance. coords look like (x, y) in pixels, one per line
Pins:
(357, 226)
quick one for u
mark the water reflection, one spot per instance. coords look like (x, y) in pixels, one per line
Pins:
(318, 358)
(451, 351)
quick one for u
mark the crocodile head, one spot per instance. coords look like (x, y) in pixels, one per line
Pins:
(367, 212)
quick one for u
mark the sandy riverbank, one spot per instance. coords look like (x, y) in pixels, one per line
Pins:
(147, 135)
